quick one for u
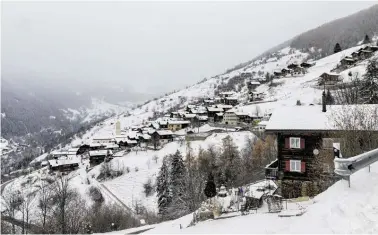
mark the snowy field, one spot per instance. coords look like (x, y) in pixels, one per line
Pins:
(129, 187)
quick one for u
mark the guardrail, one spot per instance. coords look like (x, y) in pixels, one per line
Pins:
(348, 166)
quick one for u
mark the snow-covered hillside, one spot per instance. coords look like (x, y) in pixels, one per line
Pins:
(144, 165)
(339, 209)
(286, 91)
(98, 109)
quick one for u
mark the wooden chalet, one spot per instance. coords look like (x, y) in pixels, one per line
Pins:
(226, 94)
(252, 85)
(175, 115)
(307, 65)
(189, 117)
(373, 48)
(244, 117)
(231, 101)
(277, 74)
(174, 125)
(292, 66)
(129, 143)
(256, 96)
(365, 53)
(303, 134)
(285, 72)
(212, 111)
(163, 124)
(218, 117)
(201, 119)
(225, 107)
(208, 102)
(294, 69)
(144, 139)
(98, 156)
(63, 164)
(347, 61)
(329, 79)
(162, 136)
(103, 139)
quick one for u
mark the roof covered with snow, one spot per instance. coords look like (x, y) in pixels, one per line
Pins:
(164, 132)
(213, 109)
(312, 118)
(173, 122)
(60, 162)
(99, 152)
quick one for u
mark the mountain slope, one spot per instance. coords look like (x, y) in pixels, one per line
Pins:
(348, 31)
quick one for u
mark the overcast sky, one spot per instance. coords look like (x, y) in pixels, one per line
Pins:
(150, 47)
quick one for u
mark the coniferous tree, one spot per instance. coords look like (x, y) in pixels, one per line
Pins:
(163, 189)
(210, 189)
(178, 186)
(366, 40)
(337, 48)
(369, 87)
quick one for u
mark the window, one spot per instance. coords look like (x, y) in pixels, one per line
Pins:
(295, 143)
(295, 165)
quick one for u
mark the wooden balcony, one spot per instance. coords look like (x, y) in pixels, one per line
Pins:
(271, 170)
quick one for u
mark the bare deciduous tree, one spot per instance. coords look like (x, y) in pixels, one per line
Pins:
(11, 202)
(348, 93)
(25, 207)
(44, 202)
(357, 127)
(63, 195)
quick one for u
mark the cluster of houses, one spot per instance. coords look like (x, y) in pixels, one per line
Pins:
(152, 134)
(333, 77)
(293, 69)
(362, 54)
(254, 95)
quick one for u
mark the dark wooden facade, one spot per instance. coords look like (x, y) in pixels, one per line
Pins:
(65, 167)
(308, 142)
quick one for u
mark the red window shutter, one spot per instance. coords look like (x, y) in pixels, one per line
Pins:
(303, 167)
(287, 165)
(287, 143)
(302, 143)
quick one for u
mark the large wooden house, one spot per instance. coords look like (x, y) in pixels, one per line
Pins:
(212, 111)
(252, 85)
(159, 137)
(98, 156)
(174, 125)
(305, 136)
(63, 164)
(329, 79)
(230, 101)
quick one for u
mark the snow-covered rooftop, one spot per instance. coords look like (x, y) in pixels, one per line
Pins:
(213, 109)
(312, 118)
(189, 115)
(164, 132)
(98, 152)
(59, 162)
(178, 122)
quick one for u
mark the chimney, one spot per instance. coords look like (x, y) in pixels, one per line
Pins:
(324, 107)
